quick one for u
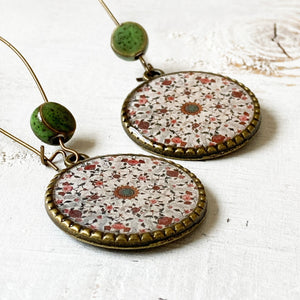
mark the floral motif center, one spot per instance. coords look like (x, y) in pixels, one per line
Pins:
(191, 108)
(126, 192)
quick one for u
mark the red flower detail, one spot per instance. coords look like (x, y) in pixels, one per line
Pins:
(246, 114)
(67, 188)
(144, 125)
(173, 173)
(218, 138)
(118, 226)
(165, 221)
(195, 125)
(163, 110)
(243, 118)
(167, 141)
(186, 197)
(176, 140)
(75, 213)
(173, 121)
(143, 100)
(117, 176)
(94, 197)
(166, 82)
(109, 207)
(126, 229)
(133, 162)
(108, 228)
(135, 209)
(182, 144)
(218, 106)
(156, 188)
(90, 167)
(153, 201)
(170, 98)
(237, 94)
(98, 183)
(203, 80)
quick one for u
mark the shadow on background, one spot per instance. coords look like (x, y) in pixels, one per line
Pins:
(265, 134)
(82, 145)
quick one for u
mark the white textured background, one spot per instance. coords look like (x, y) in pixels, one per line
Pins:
(249, 246)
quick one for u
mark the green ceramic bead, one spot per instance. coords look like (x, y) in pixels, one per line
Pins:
(50, 121)
(129, 41)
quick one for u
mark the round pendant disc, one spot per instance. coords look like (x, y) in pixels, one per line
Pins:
(191, 115)
(126, 201)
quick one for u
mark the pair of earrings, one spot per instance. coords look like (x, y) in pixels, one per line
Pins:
(133, 201)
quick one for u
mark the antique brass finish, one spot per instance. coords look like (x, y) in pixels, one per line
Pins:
(46, 161)
(202, 153)
(128, 241)
(27, 66)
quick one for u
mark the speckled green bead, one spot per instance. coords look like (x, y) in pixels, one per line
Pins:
(129, 41)
(50, 121)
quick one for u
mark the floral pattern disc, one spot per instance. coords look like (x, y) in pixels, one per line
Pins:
(188, 110)
(126, 194)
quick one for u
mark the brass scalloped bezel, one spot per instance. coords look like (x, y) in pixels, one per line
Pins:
(202, 153)
(128, 241)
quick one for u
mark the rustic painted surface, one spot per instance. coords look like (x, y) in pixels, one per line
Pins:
(249, 246)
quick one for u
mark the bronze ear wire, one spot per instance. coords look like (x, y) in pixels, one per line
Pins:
(64, 150)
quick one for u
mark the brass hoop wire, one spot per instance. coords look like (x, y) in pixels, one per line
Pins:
(46, 161)
(27, 66)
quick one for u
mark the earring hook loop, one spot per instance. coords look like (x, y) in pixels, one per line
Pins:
(46, 161)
